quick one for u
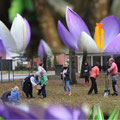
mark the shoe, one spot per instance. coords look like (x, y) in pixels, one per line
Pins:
(96, 93)
(65, 93)
(43, 97)
(89, 93)
(70, 94)
(32, 97)
(114, 94)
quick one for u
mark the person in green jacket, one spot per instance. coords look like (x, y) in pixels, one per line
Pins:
(43, 85)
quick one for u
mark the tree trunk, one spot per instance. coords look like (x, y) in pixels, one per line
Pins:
(47, 25)
(83, 61)
(72, 67)
(44, 62)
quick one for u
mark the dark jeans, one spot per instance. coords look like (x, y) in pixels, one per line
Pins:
(43, 90)
(87, 79)
(114, 84)
(93, 86)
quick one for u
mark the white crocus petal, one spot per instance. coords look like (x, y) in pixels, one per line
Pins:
(87, 43)
(7, 39)
(19, 33)
(10, 55)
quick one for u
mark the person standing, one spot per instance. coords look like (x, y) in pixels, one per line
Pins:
(86, 73)
(114, 73)
(65, 76)
(93, 76)
(41, 69)
(43, 85)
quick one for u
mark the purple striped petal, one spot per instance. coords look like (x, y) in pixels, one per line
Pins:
(9, 112)
(28, 31)
(75, 23)
(62, 112)
(111, 28)
(2, 50)
(67, 37)
(44, 50)
(114, 46)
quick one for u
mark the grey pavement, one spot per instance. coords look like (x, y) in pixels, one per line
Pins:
(7, 77)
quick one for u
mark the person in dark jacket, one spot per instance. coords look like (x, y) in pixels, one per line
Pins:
(27, 84)
(65, 75)
(86, 73)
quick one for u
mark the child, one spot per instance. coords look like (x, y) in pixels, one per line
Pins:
(93, 76)
(14, 97)
(43, 85)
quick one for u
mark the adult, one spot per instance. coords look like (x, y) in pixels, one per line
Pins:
(28, 82)
(93, 76)
(41, 69)
(86, 73)
(65, 76)
(114, 73)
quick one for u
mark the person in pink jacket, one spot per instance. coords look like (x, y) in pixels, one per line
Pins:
(114, 73)
(93, 76)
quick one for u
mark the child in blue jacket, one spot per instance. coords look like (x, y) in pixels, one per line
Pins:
(14, 94)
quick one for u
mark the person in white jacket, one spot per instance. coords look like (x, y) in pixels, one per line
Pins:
(41, 69)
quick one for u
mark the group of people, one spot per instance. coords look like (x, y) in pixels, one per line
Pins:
(39, 78)
(113, 70)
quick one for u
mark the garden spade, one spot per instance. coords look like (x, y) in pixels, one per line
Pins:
(107, 91)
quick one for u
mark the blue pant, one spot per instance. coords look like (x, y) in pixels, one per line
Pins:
(43, 90)
(66, 83)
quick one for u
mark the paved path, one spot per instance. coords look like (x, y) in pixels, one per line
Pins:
(6, 77)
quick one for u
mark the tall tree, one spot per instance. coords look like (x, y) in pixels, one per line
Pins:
(47, 24)
(72, 67)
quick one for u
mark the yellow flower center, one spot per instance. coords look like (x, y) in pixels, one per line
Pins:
(99, 36)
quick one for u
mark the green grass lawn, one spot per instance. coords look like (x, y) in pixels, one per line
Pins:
(55, 94)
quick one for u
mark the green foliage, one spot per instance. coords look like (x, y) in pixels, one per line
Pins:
(28, 5)
(17, 6)
(55, 61)
(1, 118)
(49, 63)
(96, 113)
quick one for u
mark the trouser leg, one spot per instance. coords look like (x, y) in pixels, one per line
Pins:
(68, 85)
(114, 84)
(64, 85)
(30, 91)
(44, 91)
(92, 85)
(95, 87)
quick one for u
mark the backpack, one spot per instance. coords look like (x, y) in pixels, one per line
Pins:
(5, 95)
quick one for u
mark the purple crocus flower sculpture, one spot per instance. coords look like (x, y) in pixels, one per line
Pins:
(64, 112)
(10, 112)
(2, 50)
(44, 50)
(16, 40)
(78, 36)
